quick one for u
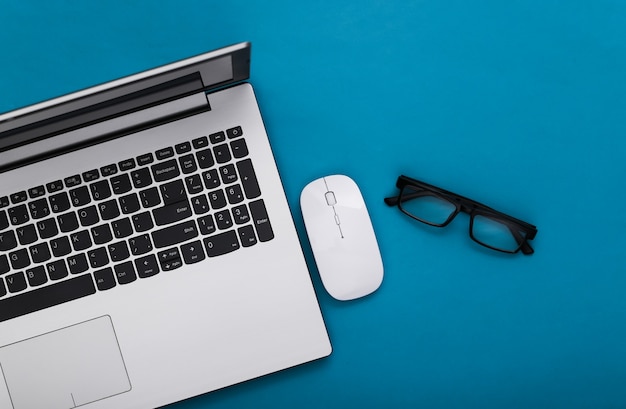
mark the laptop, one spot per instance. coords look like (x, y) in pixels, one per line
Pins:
(147, 251)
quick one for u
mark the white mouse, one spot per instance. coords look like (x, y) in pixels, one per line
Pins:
(342, 237)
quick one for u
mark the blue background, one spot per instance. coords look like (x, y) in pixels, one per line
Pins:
(517, 104)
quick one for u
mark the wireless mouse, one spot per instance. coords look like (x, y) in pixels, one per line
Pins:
(342, 237)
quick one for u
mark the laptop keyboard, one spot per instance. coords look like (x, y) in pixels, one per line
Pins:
(128, 221)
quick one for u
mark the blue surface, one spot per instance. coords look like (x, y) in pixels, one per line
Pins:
(517, 104)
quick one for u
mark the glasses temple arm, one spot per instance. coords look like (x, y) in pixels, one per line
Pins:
(394, 200)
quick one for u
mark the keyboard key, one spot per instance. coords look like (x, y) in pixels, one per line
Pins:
(59, 202)
(183, 148)
(228, 173)
(60, 246)
(194, 184)
(121, 184)
(19, 259)
(19, 197)
(16, 282)
(145, 159)
(37, 191)
(88, 216)
(171, 264)
(234, 194)
(91, 175)
(176, 234)
(45, 297)
(223, 220)
(4, 220)
(67, 222)
(167, 170)
(72, 181)
(217, 199)
(18, 215)
(105, 279)
(108, 170)
(147, 266)
(169, 254)
(164, 153)
(40, 252)
(47, 228)
(234, 132)
(101, 234)
(150, 197)
(4, 264)
(130, 203)
(171, 213)
(222, 153)
(141, 178)
(122, 228)
(80, 196)
(54, 186)
(240, 214)
(188, 164)
(200, 143)
(239, 148)
(100, 190)
(211, 179)
(206, 225)
(3, 289)
(142, 222)
(118, 251)
(247, 236)
(78, 263)
(39, 208)
(98, 257)
(261, 220)
(36, 276)
(200, 204)
(140, 244)
(127, 164)
(8, 240)
(248, 179)
(173, 192)
(4, 201)
(125, 273)
(205, 158)
(192, 252)
(109, 210)
(81, 240)
(26, 234)
(217, 137)
(221, 243)
(57, 270)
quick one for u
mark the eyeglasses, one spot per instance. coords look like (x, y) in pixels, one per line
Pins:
(437, 207)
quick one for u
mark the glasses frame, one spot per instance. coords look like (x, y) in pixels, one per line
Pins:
(464, 205)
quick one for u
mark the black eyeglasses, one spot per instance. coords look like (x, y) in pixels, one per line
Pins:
(437, 207)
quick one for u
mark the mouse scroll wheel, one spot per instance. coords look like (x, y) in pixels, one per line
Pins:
(330, 198)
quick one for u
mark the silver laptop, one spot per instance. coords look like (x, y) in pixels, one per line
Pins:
(147, 252)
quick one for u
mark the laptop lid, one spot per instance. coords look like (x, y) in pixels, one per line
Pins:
(41, 121)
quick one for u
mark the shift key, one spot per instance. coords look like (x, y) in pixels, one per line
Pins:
(175, 234)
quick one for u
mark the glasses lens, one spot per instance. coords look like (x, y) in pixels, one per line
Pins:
(425, 206)
(496, 234)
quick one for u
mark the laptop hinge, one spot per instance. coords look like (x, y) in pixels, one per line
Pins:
(104, 130)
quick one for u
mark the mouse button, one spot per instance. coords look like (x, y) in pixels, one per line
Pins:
(331, 200)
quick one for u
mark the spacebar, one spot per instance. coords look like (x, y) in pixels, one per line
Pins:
(45, 297)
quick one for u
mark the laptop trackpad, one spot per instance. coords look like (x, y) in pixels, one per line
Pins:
(66, 368)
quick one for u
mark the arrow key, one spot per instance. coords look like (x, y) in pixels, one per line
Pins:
(147, 266)
(192, 252)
